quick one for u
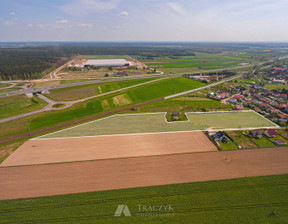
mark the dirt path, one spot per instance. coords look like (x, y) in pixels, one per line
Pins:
(105, 147)
(42, 180)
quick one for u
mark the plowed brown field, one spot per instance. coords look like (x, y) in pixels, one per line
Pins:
(53, 179)
(107, 147)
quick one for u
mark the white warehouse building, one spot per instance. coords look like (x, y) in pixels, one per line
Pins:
(106, 62)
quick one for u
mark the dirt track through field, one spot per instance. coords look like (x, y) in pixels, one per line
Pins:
(105, 147)
(53, 179)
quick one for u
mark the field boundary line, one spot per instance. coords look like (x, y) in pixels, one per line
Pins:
(153, 133)
(144, 133)
(266, 119)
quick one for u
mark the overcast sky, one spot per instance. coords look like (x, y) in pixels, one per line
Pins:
(144, 20)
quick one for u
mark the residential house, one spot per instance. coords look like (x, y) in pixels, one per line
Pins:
(220, 137)
(270, 133)
(280, 142)
(238, 107)
(255, 134)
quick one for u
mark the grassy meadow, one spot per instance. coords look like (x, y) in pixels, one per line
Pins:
(14, 105)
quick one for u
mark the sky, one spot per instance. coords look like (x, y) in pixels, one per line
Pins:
(144, 20)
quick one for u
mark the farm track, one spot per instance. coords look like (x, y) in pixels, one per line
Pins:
(65, 178)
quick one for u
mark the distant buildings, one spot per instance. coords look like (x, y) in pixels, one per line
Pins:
(106, 63)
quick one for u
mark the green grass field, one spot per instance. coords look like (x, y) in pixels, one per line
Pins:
(80, 92)
(254, 200)
(276, 86)
(15, 105)
(204, 60)
(185, 104)
(149, 123)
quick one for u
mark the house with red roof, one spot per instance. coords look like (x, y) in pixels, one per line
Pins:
(281, 116)
(280, 142)
(238, 107)
(237, 97)
(270, 133)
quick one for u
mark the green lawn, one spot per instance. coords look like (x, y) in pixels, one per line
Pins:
(254, 200)
(228, 145)
(149, 123)
(80, 92)
(15, 105)
(263, 142)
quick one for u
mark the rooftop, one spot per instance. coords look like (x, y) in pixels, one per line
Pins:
(107, 62)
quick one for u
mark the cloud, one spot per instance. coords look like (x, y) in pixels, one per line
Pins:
(124, 13)
(63, 21)
(85, 25)
(30, 25)
(8, 23)
(12, 13)
(177, 8)
(84, 7)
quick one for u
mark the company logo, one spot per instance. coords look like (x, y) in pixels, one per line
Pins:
(122, 209)
(146, 210)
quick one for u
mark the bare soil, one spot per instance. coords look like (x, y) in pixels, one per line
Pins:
(54, 179)
(107, 147)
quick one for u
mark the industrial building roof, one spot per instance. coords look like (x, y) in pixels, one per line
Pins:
(107, 62)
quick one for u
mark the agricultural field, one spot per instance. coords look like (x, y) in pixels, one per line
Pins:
(15, 105)
(37, 151)
(185, 104)
(240, 139)
(203, 60)
(261, 199)
(80, 92)
(149, 123)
